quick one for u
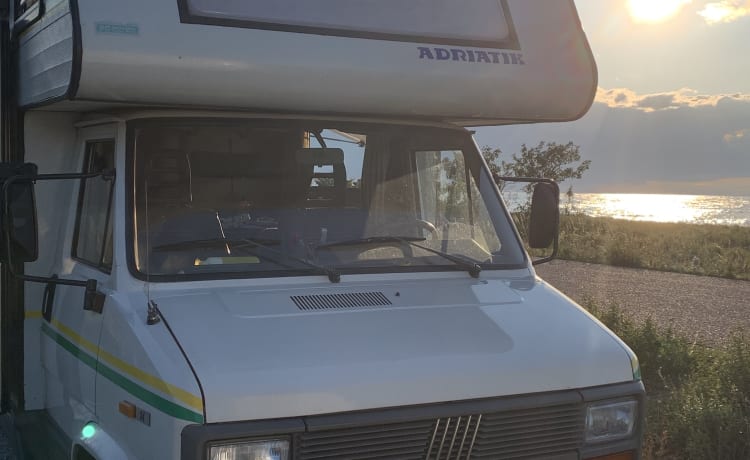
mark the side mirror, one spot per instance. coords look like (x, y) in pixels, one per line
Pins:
(18, 214)
(18, 225)
(544, 222)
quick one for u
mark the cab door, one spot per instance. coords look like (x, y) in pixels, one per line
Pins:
(70, 332)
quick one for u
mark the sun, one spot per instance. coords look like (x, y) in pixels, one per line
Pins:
(654, 11)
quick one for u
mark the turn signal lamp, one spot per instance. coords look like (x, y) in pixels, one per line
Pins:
(88, 431)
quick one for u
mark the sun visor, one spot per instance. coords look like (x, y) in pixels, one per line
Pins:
(472, 63)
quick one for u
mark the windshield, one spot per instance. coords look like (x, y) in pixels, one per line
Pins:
(253, 198)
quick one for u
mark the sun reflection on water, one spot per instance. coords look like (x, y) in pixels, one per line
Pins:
(731, 210)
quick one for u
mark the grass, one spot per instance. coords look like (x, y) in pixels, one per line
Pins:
(700, 249)
(698, 397)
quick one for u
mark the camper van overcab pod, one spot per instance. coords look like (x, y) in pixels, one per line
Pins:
(240, 230)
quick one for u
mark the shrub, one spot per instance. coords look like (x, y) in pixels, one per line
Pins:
(714, 250)
(698, 397)
(621, 254)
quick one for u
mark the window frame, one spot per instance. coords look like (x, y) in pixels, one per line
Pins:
(109, 218)
(472, 157)
(31, 15)
(511, 42)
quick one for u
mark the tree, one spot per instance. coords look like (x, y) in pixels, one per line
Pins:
(549, 160)
(492, 156)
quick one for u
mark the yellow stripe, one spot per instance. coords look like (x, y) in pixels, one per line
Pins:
(177, 393)
(36, 314)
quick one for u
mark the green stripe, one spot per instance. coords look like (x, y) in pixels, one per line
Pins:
(164, 405)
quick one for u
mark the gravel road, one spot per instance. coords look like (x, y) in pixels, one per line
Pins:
(704, 308)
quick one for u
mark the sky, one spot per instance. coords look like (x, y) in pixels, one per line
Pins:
(672, 113)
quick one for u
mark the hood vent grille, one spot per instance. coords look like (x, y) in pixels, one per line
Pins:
(340, 301)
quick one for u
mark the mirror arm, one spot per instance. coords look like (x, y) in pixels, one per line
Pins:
(46, 280)
(528, 179)
(106, 174)
(555, 247)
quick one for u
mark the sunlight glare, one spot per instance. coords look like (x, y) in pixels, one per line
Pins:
(717, 12)
(665, 208)
(656, 208)
(653, 11)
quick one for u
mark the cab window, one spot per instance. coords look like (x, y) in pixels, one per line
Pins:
(93, 237)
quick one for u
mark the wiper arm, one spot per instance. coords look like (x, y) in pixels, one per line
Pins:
(243, 243)
(205, 243)
(472, 267)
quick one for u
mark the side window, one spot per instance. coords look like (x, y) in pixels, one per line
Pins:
(92, 242)
(449, 198)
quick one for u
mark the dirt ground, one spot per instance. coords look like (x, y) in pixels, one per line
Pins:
(704, 308)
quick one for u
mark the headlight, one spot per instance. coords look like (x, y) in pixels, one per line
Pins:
(275, 449)
(610, 421)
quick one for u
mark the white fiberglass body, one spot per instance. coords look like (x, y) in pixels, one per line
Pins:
(289, 280)
(495, 62)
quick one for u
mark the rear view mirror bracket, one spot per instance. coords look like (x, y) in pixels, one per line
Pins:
(19, 179)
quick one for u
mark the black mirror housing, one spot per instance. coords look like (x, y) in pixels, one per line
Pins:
(18, 213)
(544, 222)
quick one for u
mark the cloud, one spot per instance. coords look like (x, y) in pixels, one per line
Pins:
(725, 11)
(651, 11)
(738, 135)
(657, 102)
(723, 186)
(685, 97)
(677, 141)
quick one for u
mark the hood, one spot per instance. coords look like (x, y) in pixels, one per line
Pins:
(263, 353)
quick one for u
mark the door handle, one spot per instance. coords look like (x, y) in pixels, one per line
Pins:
(48, 299)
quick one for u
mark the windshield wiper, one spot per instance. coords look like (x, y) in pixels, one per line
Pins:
(472, 267)
(243, 243)
(370, 240)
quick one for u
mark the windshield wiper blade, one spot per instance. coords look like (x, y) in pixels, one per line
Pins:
(333, 275)
(472, 267)
(370, 240)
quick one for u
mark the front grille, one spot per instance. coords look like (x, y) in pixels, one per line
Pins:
(398, 440)
(453, 438)
(529, 433)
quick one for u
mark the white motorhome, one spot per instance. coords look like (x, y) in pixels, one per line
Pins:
(261, 230)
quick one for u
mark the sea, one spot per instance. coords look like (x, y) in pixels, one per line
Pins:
(702, 209)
